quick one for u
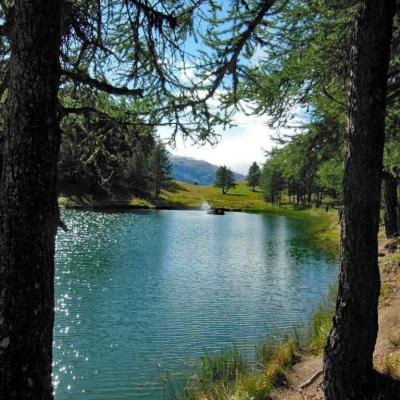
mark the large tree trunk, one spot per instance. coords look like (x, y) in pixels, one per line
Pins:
(391, 204)
(28, 203)
(348, 370)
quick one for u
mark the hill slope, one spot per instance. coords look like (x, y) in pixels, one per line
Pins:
(190, 170)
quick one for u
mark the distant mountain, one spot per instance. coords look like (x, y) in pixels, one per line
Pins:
(190, 170)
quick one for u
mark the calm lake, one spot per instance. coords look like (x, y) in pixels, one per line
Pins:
(142, 293)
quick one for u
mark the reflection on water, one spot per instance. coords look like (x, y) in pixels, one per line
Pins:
(138, 294)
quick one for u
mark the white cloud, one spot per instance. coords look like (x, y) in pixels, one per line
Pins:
(238, 147)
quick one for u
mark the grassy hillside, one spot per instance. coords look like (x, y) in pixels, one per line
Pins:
(185, 195)
(181, 195)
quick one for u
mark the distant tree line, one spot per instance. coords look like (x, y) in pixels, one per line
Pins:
(307, 168)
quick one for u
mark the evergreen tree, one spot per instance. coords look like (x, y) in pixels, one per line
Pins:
(138, 173)
(224, 179)
(28, 202)
(100, 156)
(160, 168)
(253, 176)
(272, 183)
(348, 356)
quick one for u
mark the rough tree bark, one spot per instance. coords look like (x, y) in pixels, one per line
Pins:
(348, 370)
(391, 204)
(28, 203)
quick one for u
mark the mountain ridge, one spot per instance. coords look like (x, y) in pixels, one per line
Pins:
(192, 170)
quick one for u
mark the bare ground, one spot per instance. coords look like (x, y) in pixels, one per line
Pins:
(387, 349)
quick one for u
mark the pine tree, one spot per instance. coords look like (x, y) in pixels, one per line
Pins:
(224, 179)
(160, 168)
(271, 183)
(253, 176)
(348, 356)
(137, 170)
(28, 202)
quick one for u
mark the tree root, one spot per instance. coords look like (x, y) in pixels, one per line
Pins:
(311, 380)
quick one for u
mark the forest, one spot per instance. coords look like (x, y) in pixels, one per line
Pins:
(85, 84)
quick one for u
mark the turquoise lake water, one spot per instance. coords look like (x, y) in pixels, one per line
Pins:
(139, 294)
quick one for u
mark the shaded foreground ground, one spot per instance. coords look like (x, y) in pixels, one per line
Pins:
(387, 350)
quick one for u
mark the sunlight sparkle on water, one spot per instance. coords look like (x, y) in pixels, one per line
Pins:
(140, 294)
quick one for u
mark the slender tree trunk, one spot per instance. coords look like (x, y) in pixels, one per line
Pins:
(28, 203)
(319, 199)
(391, 204)
(309, 196)
(348, 372)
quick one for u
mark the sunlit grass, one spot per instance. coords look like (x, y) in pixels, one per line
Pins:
(241, 197)
(396, 258)
(384, 293)
(321, 322)
(227, 375)
(258, 385)
(224, 367)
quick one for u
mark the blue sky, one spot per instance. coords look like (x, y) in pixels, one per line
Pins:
(238, 147)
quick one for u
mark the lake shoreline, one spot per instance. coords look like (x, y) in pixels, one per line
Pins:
(323, 228)
(181, 196)
(133, 207)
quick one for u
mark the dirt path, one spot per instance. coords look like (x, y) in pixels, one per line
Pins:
(387, 349)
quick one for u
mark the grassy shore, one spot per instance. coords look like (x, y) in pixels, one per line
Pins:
(185, 195)
(180, 196)
(229, 376)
